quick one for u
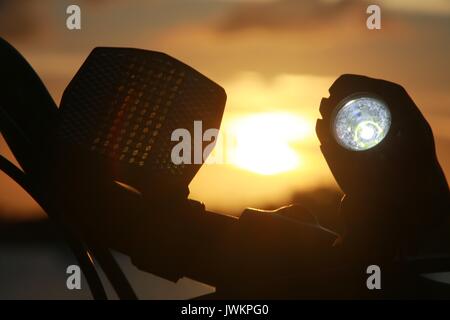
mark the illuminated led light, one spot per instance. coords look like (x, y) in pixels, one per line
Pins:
(361, 123)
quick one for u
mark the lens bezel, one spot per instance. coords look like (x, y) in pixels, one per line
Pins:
(342, 103)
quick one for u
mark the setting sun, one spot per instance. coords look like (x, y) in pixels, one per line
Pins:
(264, 142)
(267, 148)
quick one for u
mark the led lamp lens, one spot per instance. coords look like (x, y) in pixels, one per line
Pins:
(361, 123)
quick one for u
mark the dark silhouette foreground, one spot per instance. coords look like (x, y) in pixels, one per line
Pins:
(395, 210)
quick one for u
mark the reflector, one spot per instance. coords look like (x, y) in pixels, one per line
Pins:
(124, 104)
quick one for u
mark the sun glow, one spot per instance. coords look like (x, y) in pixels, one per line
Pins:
(267, 148)
(264, 143)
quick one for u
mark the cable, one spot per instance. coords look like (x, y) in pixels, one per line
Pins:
(25, 122)
(114, 274)
(107, 262)
(82, 256)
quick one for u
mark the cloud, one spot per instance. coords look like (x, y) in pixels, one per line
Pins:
(16, 19)
(287, 15)
(283, 15)
(318, 38)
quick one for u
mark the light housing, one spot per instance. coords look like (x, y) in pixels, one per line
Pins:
(120, 110)
(395, 190)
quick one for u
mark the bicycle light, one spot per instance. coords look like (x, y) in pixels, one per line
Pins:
(374, 137)
(122, 107)
(381, 152)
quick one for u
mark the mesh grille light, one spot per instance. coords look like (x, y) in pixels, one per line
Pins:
(361, 122)
(123, 105)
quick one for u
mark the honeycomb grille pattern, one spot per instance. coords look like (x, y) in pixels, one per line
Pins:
(123, 105)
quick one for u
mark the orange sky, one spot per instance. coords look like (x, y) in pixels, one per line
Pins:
(272, 57)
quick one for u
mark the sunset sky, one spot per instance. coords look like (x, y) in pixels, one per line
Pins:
(275, 59)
